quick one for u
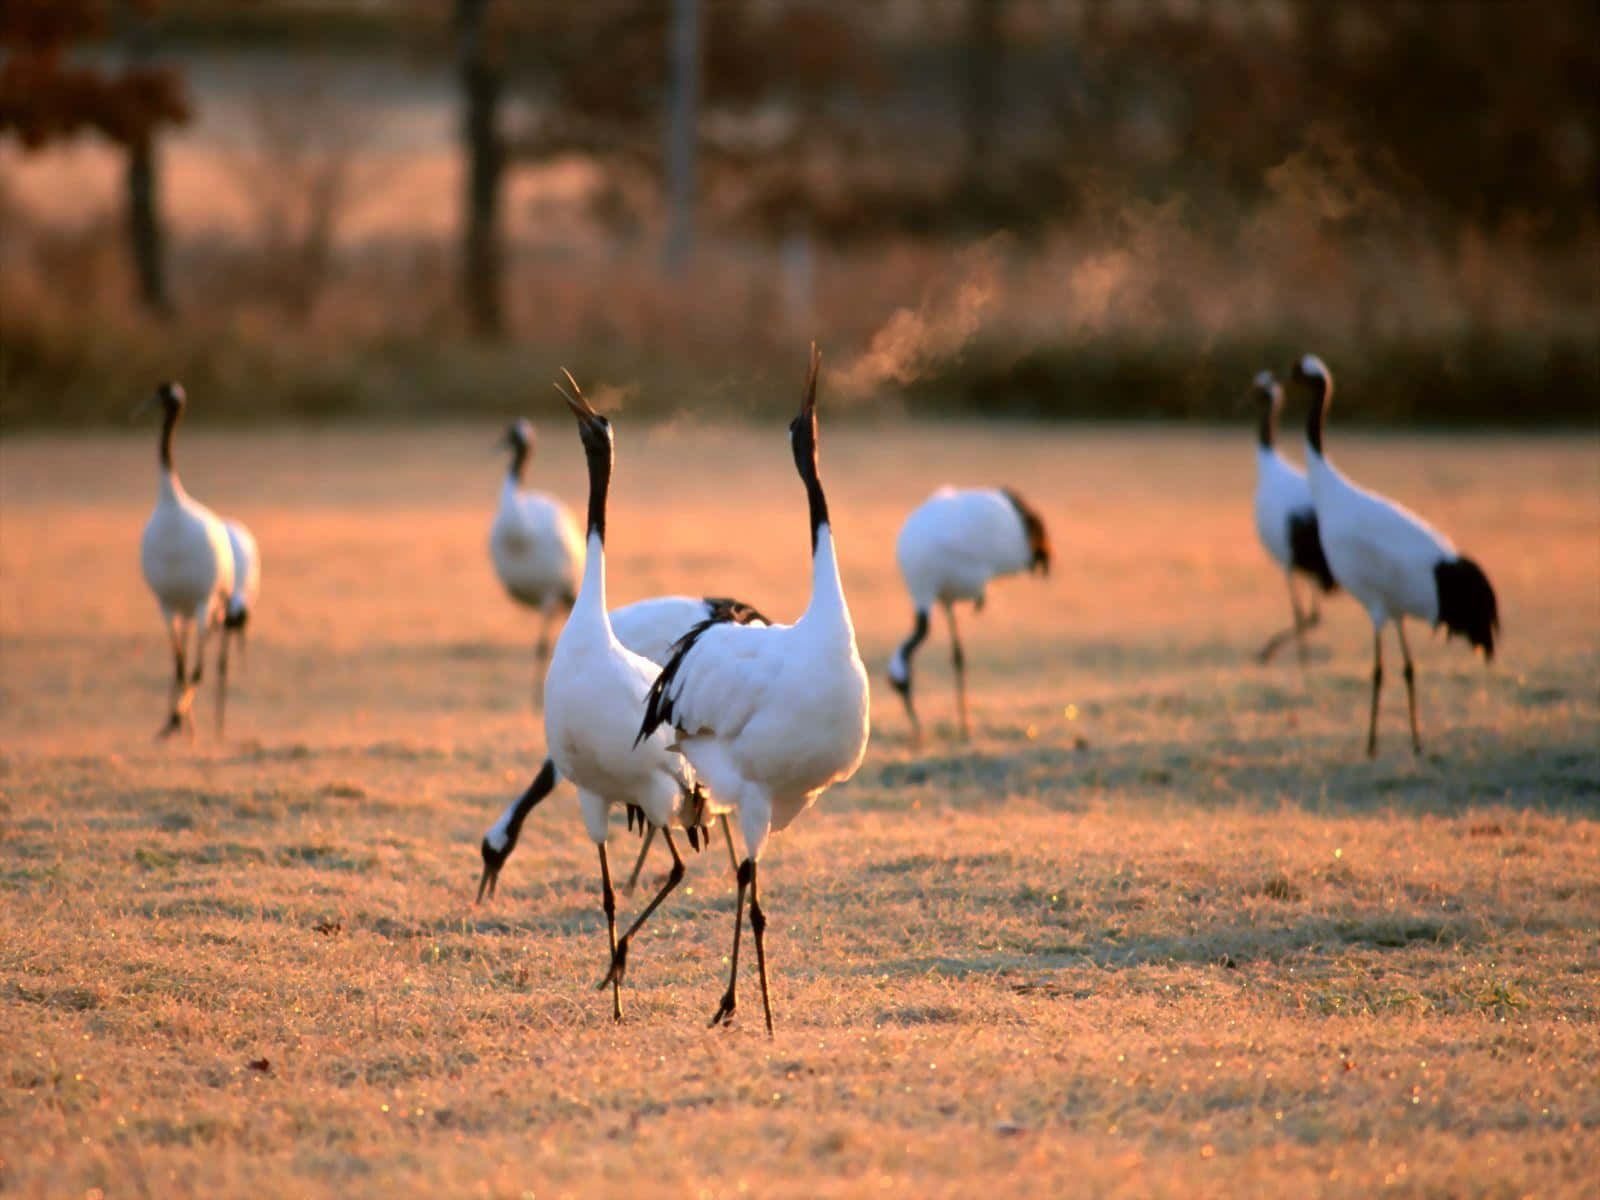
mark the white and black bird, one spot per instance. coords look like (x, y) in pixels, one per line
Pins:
(534, 542)
(770, 716)
(241, 602)
(648, 628)
(187, 562)
(949, 548)
(1286, 520)
(1391, 560)
(594, 694)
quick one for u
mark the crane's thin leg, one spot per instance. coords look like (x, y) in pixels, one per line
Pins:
(619, 954)
(959, 661)
(608, 900)
(747, 871)
(733, 855)
(180, 675)
(1377, 684)
(1302, 623)
(1411, 685)
(541, 657)
(222, 679)
(758, 926)
(638, 863)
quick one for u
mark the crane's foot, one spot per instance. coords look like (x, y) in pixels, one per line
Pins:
(724, 1013)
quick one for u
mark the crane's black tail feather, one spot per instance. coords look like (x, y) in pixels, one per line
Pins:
(1467, 603)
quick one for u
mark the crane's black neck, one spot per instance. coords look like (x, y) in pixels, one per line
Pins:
(804, 437)
(1267, 428)
(597, 447)
(1320, 388)
(519, 459)
(908, 647)
(541, 786)
(169, 423)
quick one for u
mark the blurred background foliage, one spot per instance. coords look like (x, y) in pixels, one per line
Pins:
(1040, 207)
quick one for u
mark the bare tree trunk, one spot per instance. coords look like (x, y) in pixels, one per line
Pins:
(984, 49)
(681, 128)
(485, 152)
(143, 184)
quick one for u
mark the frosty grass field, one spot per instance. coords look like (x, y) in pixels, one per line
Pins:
(1159, 927)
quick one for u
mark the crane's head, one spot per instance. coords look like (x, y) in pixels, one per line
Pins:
(493, 859)
(169, 395)
(1310, 370)
(520, 436)
(803, 429)
(1268, 391)
(594, 429)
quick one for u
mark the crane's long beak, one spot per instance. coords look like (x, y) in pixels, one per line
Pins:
(808, 401)
(576, 400)
(487, 882)
(142, 407)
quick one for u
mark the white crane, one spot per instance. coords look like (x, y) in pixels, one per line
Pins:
(648, 628)
(1286, 520)
(534, 543)
(1391, 560)
(770, 716)
(241, 602)
(593, 695)
(949, 548)
(187, 562)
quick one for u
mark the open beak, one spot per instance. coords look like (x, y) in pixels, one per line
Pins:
(808, 401)
(576, 400)
(911, 713)
(487, 882)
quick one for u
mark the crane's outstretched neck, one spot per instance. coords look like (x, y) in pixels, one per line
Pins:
(1321, 389)
(598, 448)
(519, 462)
(169, 424)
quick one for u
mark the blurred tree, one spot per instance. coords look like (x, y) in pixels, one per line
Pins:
(682, 126)
(45, 98)
(481, 86)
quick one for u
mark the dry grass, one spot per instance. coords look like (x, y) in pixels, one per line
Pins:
(1157, 929)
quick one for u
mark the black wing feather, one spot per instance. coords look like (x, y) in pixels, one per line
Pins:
(657, 704)
(1305, 549)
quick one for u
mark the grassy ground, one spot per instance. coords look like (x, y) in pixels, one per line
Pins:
(1158, 928)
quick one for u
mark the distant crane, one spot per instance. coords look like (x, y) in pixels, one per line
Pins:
(1286, 521)
(534, 544)
(949, 548)
(187, 562)
(1392, 561)
(648, 628)
(770, 716)
(593, 695)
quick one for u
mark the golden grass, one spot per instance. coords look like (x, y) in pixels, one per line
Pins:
(1158, 928)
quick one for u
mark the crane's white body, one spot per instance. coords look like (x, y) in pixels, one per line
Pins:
(536, 548)
(1282, 490)
(771, 716)
(593, 696)
(246, 572)
(1381, 553)
(186, 556)
(648, 628)
(956, 541)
